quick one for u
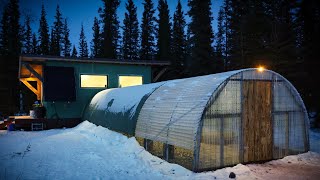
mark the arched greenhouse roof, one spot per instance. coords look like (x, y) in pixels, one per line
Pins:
(168, 111)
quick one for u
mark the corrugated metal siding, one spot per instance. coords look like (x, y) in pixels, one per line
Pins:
(172, 113)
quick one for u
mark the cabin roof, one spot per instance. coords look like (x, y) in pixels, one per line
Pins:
(41, 58)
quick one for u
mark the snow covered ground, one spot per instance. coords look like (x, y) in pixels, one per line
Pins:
(93, 152)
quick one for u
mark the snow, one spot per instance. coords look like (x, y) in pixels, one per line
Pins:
(122, 99)
(94, 152)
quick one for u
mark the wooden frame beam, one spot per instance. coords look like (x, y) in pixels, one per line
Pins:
(34, 90)
(26, 65)
(160, 74)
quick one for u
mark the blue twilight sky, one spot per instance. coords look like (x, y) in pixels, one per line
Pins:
(84, 11)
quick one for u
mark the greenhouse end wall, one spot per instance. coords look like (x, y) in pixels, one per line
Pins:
(253, 117)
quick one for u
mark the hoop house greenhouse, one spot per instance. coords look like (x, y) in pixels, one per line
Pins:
(211, 121)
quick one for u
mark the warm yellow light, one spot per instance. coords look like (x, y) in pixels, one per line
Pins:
(260, 68)
(94, 81)
(125, 81)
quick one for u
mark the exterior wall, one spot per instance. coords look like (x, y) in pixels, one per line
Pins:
(254, 116)
(84, 95)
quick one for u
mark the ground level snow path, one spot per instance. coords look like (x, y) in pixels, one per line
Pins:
(93, 152)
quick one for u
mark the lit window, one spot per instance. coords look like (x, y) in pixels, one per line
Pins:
(125, 81)
(94, 81)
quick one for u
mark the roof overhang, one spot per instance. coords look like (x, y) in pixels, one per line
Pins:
(40, 58)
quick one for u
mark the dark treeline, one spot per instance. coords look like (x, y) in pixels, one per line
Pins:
(281, 35)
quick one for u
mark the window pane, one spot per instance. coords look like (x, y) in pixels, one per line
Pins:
(125, 81)
(94, 81)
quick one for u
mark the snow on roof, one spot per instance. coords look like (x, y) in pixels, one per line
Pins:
(113, 108)
(122, 99)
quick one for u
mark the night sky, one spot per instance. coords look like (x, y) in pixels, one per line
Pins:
(84, 11)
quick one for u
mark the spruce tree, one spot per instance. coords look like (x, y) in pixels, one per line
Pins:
(130, 32)
(34, 49)
(163, 32)
(14, 28)
(96, 41)
(309, 19)
(52, 43)
(66, 40)
(147, 48)
(220, 52)
(178, 39)
(202, 37)
(9, 62)
(27, 36)
(110, 28)
(74, 53)
(83, 46)
(4, 33)
(43, 33)
(57, 33)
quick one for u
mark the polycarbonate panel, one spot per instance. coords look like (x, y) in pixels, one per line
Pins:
(209, 153)
(254, 74)
(221, 128)
(183, 157)
(284, 100)
(296, 133)
(231, 136)
(156, 149)
(280, 139)
(229, 99)
(172, 113)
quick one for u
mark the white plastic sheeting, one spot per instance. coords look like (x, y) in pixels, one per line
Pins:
(172, 113)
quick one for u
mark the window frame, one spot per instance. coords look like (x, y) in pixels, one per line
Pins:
(91, 74)
(130, 75)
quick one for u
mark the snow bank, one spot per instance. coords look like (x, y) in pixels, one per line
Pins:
(94, 152)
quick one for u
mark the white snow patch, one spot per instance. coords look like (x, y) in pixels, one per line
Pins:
(94, 152)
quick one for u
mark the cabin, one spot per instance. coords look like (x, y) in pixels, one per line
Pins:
(65, 85)
(209, 122)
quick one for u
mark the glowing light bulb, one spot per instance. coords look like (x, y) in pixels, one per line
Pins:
(260, 68)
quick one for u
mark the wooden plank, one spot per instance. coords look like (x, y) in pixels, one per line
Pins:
(267, 122)
(25, 73)
(39, 97)
(257, 127)
(35, 91)
(252, 132)
(245, 137)
(34, 72)
(255, 119)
